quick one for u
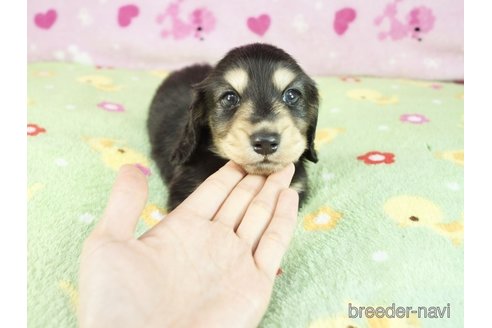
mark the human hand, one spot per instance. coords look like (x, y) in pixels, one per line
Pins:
(210, 263)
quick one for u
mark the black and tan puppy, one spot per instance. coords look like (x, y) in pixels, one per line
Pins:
(256, 107)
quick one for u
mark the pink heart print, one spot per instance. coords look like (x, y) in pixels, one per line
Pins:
(343, 18)
(259, 25)
(126, 14)
(45, 20)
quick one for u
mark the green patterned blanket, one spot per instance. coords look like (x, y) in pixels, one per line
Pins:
(384, 224)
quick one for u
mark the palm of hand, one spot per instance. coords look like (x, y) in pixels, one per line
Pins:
(203, 261)
(186, 271)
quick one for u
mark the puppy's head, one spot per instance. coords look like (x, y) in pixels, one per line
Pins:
(260, 107)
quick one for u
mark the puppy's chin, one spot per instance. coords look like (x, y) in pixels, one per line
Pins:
(263, 168)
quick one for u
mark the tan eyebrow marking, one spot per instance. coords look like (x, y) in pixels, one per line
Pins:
(282, 78)
(237, 78)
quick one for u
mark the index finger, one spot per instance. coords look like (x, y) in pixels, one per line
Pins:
(206, 200)
(125, 204)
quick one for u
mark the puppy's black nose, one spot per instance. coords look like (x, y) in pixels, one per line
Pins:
(265, 143)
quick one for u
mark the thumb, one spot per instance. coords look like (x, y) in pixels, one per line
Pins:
(125, 204)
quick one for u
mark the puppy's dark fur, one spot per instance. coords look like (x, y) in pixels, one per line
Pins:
(195, 124)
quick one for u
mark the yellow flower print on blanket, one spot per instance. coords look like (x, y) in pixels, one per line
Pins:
(115, 155)
(372, 96)
(33, 189)
(326, 135)
(324, 218)
(411, 322)
(152, 214)
(71, 292)
(100, 82)
(43, 73)
(415, 211)
(340, 321)
(159, 73)
(455, 156)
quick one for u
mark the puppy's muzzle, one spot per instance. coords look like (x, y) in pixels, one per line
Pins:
(265, 143)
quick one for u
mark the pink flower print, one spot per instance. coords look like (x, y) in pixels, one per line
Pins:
(144, 169)
(111, 107)
(414, 118)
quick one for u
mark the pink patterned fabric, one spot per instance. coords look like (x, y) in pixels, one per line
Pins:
(392, 38)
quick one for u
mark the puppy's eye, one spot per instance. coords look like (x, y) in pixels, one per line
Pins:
(291, 96)
(229, 99)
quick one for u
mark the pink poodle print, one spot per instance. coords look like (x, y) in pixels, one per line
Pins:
(418, 21)
(199, 21)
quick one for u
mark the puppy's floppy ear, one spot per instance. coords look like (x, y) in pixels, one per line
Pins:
(313, 96)
(192, 131)
(310, 152)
